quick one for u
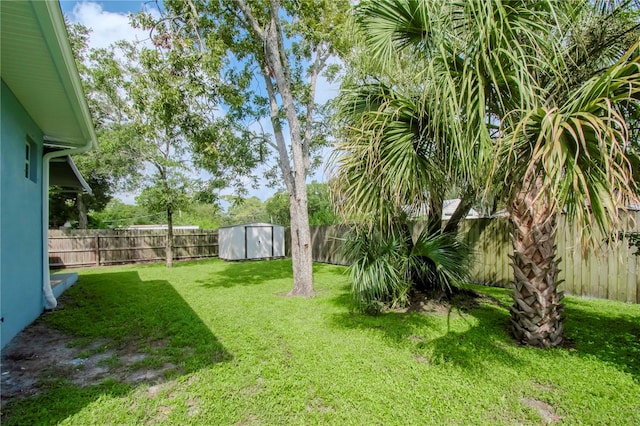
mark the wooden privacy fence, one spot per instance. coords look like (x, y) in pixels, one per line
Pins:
(95, 247)
(608, 271)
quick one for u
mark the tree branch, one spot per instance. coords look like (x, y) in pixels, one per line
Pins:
(282, 52)
(280, 146)
(318, 65)
(194, 11)
(267, 140)
(251, 20)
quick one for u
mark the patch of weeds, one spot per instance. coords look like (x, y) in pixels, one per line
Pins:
(111, 362)
(80, 342)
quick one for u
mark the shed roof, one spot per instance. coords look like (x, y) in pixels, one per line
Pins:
(39, 68)
(251, 224)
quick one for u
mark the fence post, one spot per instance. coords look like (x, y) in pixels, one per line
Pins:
(97, 249)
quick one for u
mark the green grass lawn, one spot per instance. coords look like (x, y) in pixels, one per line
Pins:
(244, 354)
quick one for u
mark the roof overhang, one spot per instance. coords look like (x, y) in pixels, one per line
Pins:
(64, 174)
(37, 64)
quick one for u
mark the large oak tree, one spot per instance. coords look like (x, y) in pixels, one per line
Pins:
(271, 55)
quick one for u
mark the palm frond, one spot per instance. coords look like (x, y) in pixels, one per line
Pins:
(441, 260)
(582, 148)
(396, 24)
(385, 157)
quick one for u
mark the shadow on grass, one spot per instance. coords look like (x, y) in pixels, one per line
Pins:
(148, 320)
(480, 346)
(483, 342)
(602, 329)
(248, 273)
(612, 337)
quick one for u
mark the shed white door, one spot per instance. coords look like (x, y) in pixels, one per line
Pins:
(259, 241)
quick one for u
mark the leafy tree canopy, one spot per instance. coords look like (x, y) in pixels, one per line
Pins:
(321, 211)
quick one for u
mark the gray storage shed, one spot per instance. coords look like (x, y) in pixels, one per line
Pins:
(251, 241)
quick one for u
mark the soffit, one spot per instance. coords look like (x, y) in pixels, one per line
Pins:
(35, 66)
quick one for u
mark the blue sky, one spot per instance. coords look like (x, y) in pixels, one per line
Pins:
(117, 6)
(109, 22)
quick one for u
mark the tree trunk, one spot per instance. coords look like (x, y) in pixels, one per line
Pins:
(301, 244)
(277, 67)
(536, 314)
(275, 55)
(169, 245)
(83, 221)
(466, 202)
(434, 218)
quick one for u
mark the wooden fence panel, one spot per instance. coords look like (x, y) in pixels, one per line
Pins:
(73, 248)
(608, 270)
(491, 244)
(326, 243)
(605, 271)
(77, 250)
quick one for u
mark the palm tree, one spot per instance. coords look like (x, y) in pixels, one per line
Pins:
(386, 120)
(541, 90)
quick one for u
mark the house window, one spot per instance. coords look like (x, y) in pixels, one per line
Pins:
(30, 160)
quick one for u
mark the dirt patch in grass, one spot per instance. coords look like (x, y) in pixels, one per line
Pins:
(163, 414)
(547, 412)
(317, 404)
(40, 354)
(460, 300)
(422, 359)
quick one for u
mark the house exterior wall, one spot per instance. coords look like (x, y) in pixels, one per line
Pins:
(21, 268)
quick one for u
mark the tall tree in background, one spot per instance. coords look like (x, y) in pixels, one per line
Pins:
(147, 103)
(287, 45)
(162, 89)
(110, 167)
(544, 87)
(320, 210)
(244, 210)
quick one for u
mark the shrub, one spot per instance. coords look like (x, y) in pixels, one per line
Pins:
(386, 266)
(379, 270)
(440, 261)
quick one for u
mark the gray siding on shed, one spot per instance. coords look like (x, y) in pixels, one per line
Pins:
(251, 241)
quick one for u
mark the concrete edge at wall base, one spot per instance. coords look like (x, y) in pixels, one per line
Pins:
(61, 282)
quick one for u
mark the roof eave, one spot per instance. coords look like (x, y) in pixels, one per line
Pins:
(62, 37)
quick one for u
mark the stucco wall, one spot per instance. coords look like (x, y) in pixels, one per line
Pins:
(20, 220)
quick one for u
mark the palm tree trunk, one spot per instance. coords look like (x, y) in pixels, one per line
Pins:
(536, 314)
(466, 202)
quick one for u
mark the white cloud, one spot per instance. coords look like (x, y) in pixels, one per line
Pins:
(106, 27)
